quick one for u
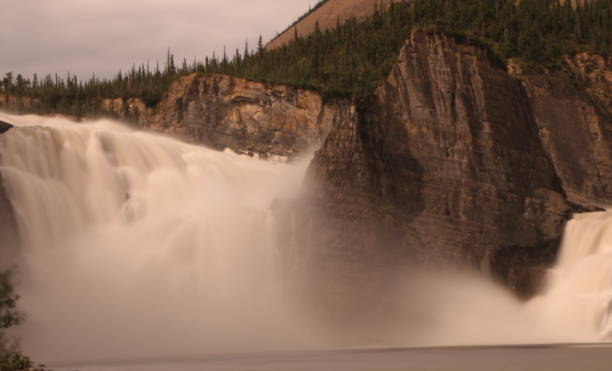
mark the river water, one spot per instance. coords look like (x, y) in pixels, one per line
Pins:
(501, 358)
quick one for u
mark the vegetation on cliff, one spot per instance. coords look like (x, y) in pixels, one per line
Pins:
(351, 59)
(11, 358)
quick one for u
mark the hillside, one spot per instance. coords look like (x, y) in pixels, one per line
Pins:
(328, 15)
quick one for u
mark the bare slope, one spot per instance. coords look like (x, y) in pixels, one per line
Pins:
(327, 16)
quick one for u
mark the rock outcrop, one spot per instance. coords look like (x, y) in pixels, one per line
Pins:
(573, 114)
(16, 104)
(4, 127)
(449, 162)
(228, 112)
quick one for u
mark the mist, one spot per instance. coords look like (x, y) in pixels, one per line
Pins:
(137, 245)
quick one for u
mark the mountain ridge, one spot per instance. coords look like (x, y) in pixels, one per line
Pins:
(327, 16)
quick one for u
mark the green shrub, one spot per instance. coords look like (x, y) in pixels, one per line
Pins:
(11, 358)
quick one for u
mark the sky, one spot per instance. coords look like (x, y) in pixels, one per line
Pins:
(102, 36)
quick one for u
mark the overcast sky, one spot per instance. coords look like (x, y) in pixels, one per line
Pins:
(103, 36)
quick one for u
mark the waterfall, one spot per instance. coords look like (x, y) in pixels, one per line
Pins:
(138, 244)
(578, 291)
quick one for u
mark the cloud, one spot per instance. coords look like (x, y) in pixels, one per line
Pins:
(103, 36)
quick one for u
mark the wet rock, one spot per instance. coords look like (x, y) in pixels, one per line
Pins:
(5, 126)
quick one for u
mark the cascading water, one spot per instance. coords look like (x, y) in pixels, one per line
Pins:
(578, 292)
(138, 245)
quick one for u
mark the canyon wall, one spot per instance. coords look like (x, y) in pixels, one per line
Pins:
(572, 111)
(454, 160)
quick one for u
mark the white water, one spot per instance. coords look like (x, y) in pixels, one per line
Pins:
(578, 293)
(137, 245)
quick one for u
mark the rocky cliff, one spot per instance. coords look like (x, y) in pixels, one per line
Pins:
(455, 160)
(228, 112)
(572, 111)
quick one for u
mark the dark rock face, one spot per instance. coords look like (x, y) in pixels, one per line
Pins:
(444, 164)
(4, 127)
(573, 115)
(8, 230)
(8, 224)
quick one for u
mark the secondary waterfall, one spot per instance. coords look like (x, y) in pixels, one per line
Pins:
(578, 292)
(136, 244)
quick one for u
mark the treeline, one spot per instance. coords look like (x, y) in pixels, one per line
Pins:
(351, 59)
(539, 32)
(69, 95)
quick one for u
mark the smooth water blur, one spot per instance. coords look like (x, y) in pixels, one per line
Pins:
(137, 245)
(578, 291)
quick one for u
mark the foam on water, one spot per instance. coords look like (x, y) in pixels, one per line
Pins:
(137, 244)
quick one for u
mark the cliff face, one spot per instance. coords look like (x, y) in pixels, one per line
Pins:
(15, 104)
(454, 160)
(227, 112)
(573, 115)
(8, 224)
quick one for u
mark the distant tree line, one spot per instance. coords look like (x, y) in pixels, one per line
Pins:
(352, 58)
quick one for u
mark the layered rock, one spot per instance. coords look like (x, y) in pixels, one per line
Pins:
(573, 113)
(227, 112)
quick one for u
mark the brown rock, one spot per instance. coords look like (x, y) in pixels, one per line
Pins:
(573, 113)
(443, 164)
(227, 112)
